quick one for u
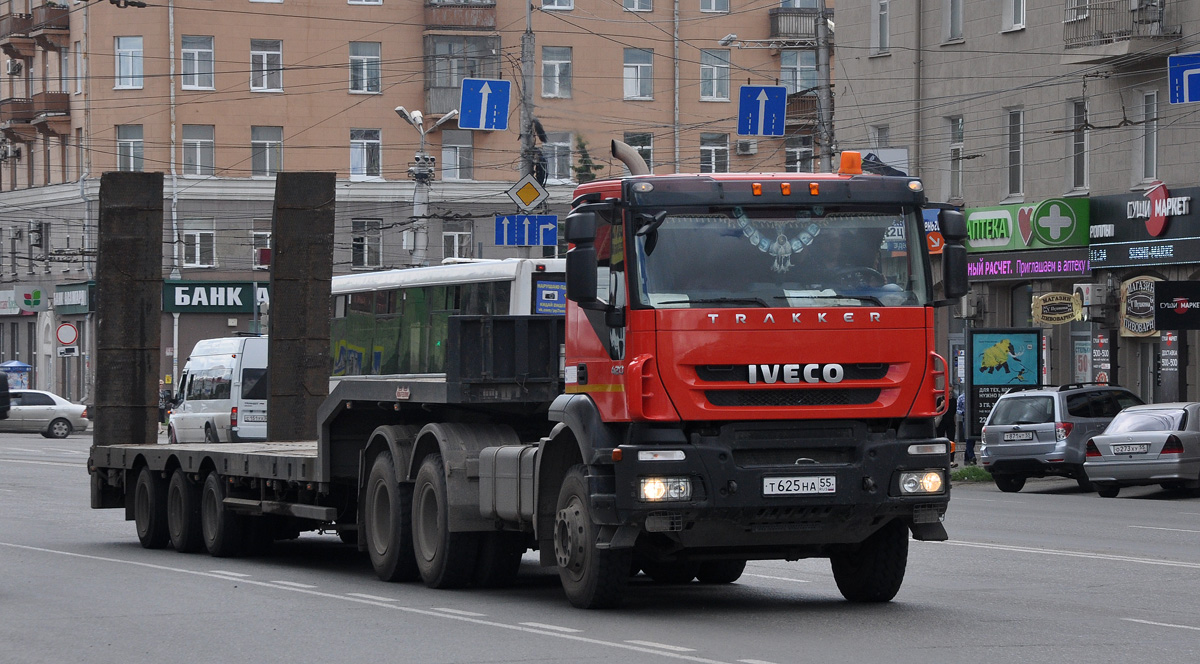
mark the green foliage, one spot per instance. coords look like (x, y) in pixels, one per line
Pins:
(585, 169)
(970, 474)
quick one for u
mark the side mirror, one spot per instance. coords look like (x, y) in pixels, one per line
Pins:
(954, 270)
(953, 225)
(581, 227)
(581, 274)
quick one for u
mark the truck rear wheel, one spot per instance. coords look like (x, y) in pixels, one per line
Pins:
(721, 571)
(593, 578)
(445, 559)
(150, 509)
(499, 559)
(387, 523)
(183, 514)
(875, 571)
(220, 527)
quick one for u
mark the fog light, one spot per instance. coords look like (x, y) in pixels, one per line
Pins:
(929, 448)
(660, 489)
(925, 481)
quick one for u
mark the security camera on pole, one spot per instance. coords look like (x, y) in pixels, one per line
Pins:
(422, 173)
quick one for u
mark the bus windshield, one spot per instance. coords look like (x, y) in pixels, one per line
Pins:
(815, 256)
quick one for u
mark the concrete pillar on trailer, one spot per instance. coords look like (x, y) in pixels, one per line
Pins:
(128, 308)
(301, 269)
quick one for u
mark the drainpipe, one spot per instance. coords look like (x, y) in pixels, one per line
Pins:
(675, 124)
(915, 169)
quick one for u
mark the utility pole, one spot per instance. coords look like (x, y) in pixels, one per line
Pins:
(824, 91)
(422, 173)
(527, 61)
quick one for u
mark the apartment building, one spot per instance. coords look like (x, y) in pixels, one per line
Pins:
(1050, 122)
(222, 95)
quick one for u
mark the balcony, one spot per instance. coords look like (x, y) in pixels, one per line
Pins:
(795, 27)
(14, 36)
(1103, 30)
(460, 15)
(15, 116)
(52, 112)
(802, 109)
(50, 26)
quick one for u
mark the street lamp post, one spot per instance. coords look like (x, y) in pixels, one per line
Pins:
(422, 172)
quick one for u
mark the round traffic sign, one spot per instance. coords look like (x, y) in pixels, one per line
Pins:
(67, 334)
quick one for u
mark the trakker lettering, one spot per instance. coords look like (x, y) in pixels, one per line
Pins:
(822, 317)
(792, 373)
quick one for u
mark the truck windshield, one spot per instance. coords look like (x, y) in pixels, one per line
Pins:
(816, 256)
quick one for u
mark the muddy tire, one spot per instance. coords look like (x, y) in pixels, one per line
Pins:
(386, 525)
(593, 578)
(875, 570)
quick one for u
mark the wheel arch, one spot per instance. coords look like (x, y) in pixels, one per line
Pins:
(459, 446)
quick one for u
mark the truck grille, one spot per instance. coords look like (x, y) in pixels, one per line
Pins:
(740, 373)
(760, 458)
(801, 397)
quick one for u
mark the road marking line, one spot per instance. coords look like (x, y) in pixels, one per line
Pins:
(1158, 624)
(755, 661)
(651, 644)
(1174, 530)
(974, 500)
(227, 573)
(383, 605)
(553, 627)
(293, 584)
(45, 463)
(1074, 554)
(376, 598)
(458, 612)
(25, 449)
(777, 578)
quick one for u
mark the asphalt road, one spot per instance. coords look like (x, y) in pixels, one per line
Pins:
(1046, 575)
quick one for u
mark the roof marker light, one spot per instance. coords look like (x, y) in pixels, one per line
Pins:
(814, 188)
(756, 188)
(785, 188)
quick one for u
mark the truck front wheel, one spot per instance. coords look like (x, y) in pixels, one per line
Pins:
(387, 523)
(150, 509)
(593, 578)
(874, 571)
(445, 559)
(221, 527)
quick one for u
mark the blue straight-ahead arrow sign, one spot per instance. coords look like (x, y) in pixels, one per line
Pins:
(761, 110)
(1183, 73)
(525, 230)
(484, 104)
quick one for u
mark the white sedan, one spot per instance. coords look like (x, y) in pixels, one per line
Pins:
(38, 411)
(1151, 444)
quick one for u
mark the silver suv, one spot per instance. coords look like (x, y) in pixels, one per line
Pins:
(1044, 431)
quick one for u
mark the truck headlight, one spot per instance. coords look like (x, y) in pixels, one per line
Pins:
(922, 481)
(660, 489)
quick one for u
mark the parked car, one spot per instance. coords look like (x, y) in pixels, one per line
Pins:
(1044, 431)
(45, 413)
(1153, 444)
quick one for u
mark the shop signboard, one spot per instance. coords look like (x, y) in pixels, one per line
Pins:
(1136, 307)
(1001, 359)
(1152, 227)
(1172, 359)
(1177, 305)
(1056, 308)
(1051, 224)
(212, 296)
(1103, 350)
(1028, 265)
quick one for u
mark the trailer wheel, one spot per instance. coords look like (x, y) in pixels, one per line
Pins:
(499, 559)
(387, 523)
(445, 559)
(221, 528)
(183, 514)
(593, 578)
(721, 571)
(873, 572)
(150, 509)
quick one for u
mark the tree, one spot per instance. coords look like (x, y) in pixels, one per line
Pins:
(585, 170)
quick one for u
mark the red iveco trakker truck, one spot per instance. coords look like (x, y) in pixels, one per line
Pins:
(748, 373)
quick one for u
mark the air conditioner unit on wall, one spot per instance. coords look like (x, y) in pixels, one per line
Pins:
(747, 146)
(13, 67)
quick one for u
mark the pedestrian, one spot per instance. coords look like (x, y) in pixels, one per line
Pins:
(945, 429)
(164, 398)
(960, 409)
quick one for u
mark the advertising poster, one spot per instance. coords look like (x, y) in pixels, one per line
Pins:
(1136, 313)
(1000, 359)
(1177, 305)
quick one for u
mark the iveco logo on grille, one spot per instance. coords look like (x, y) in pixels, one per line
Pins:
(794, 373)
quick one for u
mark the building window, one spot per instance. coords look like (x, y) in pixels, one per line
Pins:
(638, 5)
(266, 151)
(714, 74)
(199, 243)
(798, 155)
(129, 147)
(1077, 10)
(457, 154)
(266, 65)
(79, 73)
(798, 71)
(714, 6)
(197, 63)
(1014, 14)
(556, 71)
(199, 145)
(1080, 131)
(639, 73)
(1015, 152)
(557, 153)
(798, 4)
(366, 243)
(129, 62)
(880, 29)
(714, 153)
(956, 157)
(456, 245)
(1149, 137)
(364, 66)
(456, 58)
(880, 136)
(643, 142)
(558, 4)
(64, 70)
(365, 153)
(953, 19)
(260, 245)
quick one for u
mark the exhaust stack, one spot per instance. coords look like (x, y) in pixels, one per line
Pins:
(630, 157)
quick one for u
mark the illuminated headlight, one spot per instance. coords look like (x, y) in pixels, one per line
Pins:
(660, 489)
(661, 455)
(923, 481)
(928, 448)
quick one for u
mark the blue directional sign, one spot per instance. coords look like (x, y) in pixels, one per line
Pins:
(1184, 73)
(484, 104)
(761, 110)
(526, 230)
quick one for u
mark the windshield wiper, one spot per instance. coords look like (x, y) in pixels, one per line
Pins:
(861, 298)
(721, 300)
